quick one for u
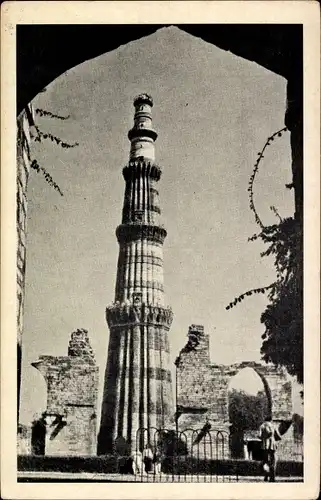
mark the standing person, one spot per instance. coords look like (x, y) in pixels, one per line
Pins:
(137, 462)
(157, 462)
(269, 435)
(147, 458)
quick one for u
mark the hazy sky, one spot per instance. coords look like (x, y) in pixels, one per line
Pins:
(213, 112)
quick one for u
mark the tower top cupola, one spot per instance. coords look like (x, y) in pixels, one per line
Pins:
(143, 99)
(142, 136)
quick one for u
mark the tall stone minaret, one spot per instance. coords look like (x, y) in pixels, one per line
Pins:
(138, 386)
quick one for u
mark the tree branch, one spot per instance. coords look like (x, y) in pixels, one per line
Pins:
(39, 168)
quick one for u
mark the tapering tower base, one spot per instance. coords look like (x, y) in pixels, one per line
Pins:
(138, 385)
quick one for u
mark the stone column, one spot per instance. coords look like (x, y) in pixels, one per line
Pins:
(138, 316)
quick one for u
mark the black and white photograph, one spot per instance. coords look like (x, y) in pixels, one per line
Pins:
(160, 229)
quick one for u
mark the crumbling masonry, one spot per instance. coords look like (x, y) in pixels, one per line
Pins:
(72, 385)
(202, 388)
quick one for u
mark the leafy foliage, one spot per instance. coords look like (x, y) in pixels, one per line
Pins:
(41, 135)
(283, 317)
(39, 168)
(255, 170)
(247, 294)
(43, 112)
(298, 424)
(246, 411)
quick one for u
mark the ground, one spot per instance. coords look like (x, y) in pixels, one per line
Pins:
(164, 478)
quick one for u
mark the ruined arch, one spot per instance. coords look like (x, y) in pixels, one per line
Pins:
(259, 376)
(276, 384)
(202, 392)
(202, 386)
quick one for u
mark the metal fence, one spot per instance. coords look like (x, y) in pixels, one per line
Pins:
(162, 455)
(197, 455)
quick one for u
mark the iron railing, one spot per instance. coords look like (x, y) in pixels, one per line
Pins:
(189, 456)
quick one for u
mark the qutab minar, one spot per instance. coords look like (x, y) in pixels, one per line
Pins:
(138, 386)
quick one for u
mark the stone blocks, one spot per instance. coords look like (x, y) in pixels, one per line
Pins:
(202, 387)
(72, 385)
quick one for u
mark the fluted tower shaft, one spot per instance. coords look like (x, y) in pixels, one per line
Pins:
(138, 386)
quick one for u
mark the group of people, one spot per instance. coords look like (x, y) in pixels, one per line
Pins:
(146, 461)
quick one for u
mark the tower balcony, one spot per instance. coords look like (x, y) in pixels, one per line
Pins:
(127, 313)
(138, 231)
(142, 167)
(142, 132)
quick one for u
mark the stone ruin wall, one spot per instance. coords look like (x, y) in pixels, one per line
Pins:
(202, 390)
(72, 386)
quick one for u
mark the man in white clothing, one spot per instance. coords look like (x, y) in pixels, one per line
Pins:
(137, 462)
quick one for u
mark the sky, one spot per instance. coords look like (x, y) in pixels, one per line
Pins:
(213, 112)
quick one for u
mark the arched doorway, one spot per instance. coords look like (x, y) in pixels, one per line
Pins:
(249, 403)
(38, 424)
(38, 436)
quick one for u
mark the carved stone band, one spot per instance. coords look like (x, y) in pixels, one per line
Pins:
(132, 232)
(128, 314)
(138, 216)
(141, 168)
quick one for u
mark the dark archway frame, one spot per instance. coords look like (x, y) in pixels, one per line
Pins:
(46, 51)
